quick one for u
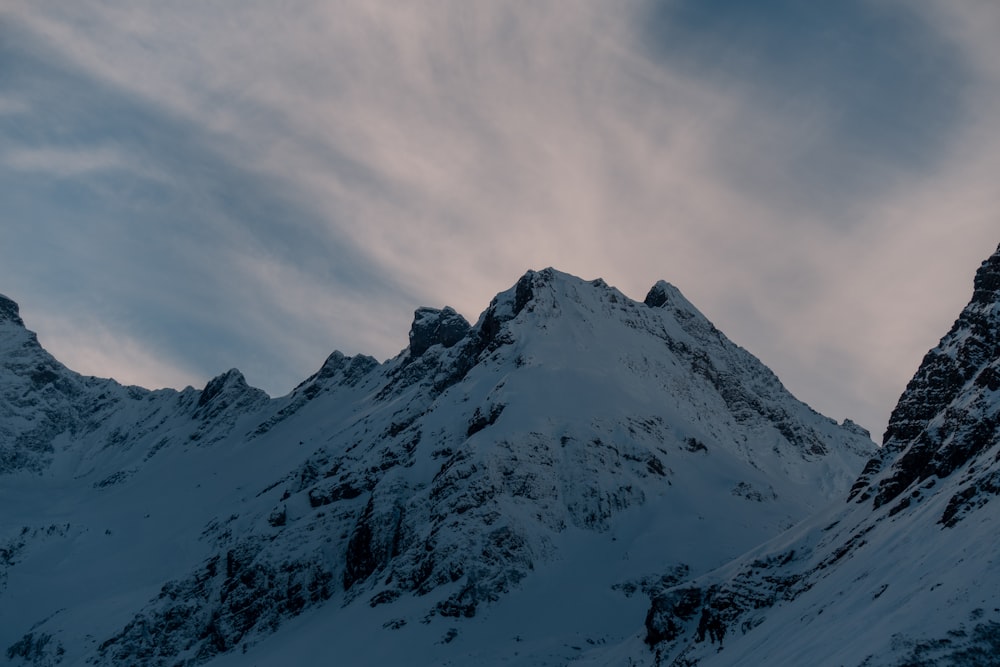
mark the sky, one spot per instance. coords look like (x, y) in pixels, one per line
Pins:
(187, 187)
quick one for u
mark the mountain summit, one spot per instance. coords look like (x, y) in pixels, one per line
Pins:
(503, 492)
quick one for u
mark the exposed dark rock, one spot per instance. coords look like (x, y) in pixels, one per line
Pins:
(503, 561)
(360, 561)
(746, 490)
(227, 392)
(694, 445)
(507, 306)
(524, 289)
(337, 370)
(436, 327)
(972, 497)
(324, 496)
(214, 610)
(376, 539)
(384, 597)
(956, 648)
(228, 381)
(658, 295)
(333, 365)
(37, 650)
(113, 479)
(360, 366)
(480, 421)
(9, 311)
(278, 517)
(720, 608)
(669, 614)
(986, 285)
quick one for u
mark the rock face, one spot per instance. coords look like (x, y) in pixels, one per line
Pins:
(436, 327)
(954, 386)
(9, 311)
(573, 444)
(905, 568)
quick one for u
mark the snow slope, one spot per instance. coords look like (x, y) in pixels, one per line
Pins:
(503, 493)
(902, 573)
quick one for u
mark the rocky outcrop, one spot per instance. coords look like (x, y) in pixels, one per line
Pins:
(233, 599)
(228, 393)
(10, 313)
(436, 327)
(946, 416)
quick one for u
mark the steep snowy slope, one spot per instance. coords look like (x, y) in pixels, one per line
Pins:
(904, 573)
(495, 492)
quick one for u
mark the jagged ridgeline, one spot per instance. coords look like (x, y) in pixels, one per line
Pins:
(509, 490)
(903, 570)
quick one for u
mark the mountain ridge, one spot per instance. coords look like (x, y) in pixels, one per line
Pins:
(569, 425)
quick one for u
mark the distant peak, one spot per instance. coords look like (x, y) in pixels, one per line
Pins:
(9, 311)
(546, 274)
(663, 294)
(215, 386)
(436, 327)
(334, 363)
(659, 294)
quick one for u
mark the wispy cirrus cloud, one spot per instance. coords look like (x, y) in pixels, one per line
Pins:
(814, 178)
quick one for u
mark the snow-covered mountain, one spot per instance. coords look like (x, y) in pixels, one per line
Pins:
(503, 493)
(905, 572)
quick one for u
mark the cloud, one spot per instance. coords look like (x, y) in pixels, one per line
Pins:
(327, 167)
(10, 106)
(64, 162)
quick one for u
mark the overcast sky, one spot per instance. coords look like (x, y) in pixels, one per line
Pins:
(190, 186)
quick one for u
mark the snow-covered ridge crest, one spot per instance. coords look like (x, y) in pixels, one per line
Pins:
(571, 429)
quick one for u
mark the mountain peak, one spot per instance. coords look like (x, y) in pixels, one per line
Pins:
(9, 311)
(230, 394)
(531, 287)
(663, 293)
(231, 379)
(515, 299)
